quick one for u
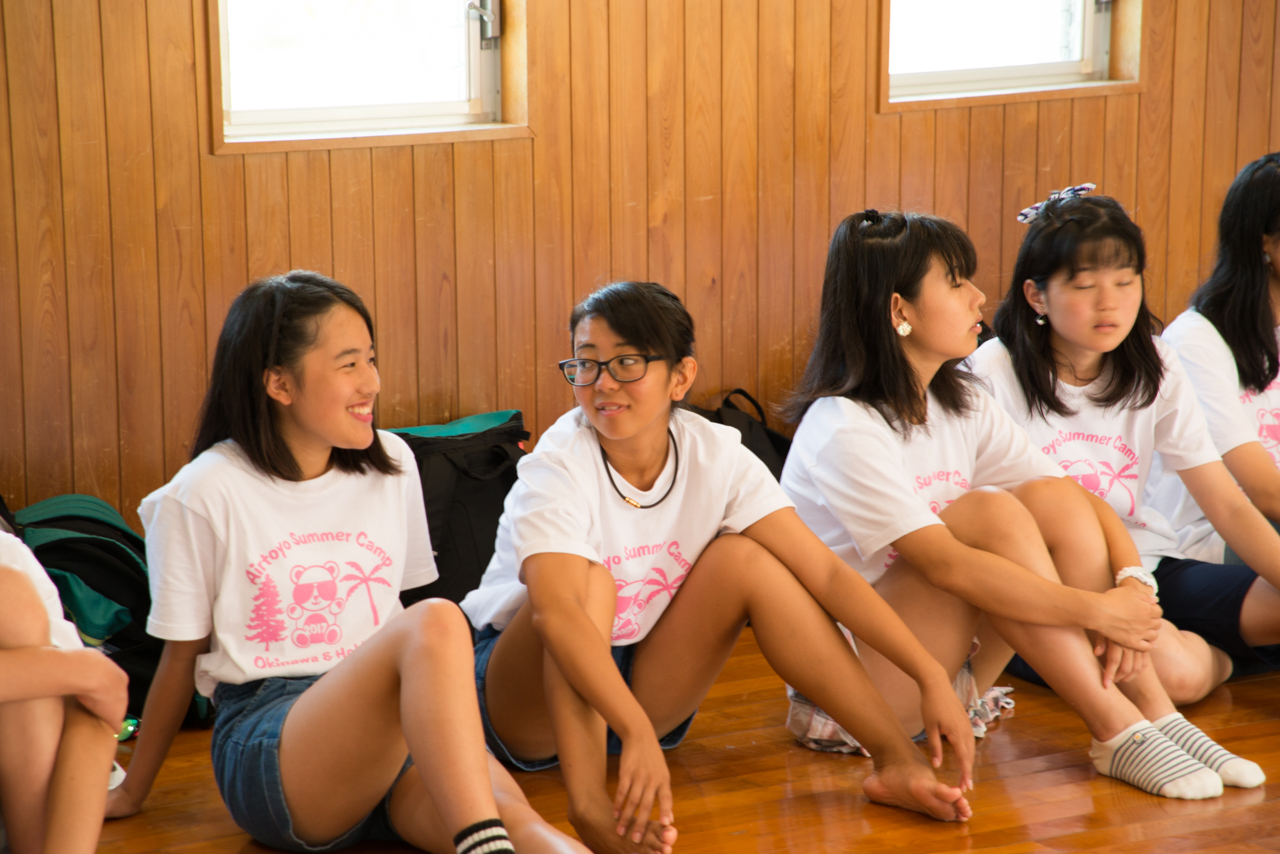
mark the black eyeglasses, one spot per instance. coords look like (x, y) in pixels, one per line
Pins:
(624, 369)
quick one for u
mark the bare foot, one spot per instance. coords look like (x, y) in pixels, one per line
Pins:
(913, 786)
(598, 830)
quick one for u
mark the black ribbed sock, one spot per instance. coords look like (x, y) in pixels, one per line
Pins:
(484, 837)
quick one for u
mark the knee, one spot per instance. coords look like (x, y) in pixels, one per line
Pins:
(1185, 684)
(1052, 497)
(23, 620)
(733, 550)
(438, 624)
(984, 515)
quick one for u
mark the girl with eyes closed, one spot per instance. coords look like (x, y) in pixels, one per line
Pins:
(638, 542)
(1077, 365)
(918, 479)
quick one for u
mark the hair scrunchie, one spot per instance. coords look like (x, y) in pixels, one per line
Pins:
(1029, 214)
(871, 216)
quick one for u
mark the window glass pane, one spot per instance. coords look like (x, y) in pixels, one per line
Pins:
(950, 35)
(303, 54)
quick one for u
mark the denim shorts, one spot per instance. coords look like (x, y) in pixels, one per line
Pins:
(623, 656)
(1206, 598)
(246, 766)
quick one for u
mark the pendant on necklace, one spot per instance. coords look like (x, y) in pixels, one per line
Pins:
(631, 501)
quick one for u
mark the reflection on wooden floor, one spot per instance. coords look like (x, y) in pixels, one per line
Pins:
(742, 784)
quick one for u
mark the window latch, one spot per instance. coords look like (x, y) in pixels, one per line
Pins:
(490, 12)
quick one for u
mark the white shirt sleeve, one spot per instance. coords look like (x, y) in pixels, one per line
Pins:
(183, 554)
(548, 512)
(863, 483)
(1212, 371)
(1182, 435)
(1005, 456)
(753, 493)
(15, 555)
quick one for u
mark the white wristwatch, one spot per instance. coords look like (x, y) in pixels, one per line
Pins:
(1140, 574)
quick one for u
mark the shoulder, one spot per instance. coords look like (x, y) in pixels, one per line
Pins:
(15, 554)
(692, 427)
(991, 361)
(835, 416)
(220, 477)
(397, 449)
(569, 444)
(1191, 330)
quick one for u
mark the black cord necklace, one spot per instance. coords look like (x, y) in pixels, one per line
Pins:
(632, 501)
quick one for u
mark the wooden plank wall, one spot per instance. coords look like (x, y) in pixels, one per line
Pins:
(705, 144)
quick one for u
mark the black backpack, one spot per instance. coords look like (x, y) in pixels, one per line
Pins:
(467, 467)
(99, 565)
(766, 443)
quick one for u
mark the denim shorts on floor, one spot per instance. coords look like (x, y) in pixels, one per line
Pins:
(1206, 598)
(623, 656)
(246, 766)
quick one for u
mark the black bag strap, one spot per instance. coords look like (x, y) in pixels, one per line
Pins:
(744, 393)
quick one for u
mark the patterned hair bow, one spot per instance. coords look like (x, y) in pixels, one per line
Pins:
(1029, 214)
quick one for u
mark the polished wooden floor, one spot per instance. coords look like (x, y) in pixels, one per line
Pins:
(742, 784)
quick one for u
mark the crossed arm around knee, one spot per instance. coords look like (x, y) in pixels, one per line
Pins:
(991, 553)
(31, 668)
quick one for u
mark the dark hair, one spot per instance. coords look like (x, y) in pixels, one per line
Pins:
(273, 323)
(857, 353)
(1236, 298)
(644, 314)
(1070, 234)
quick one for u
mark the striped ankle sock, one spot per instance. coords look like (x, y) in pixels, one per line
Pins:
(1143, 757)
(1234, 770)
(484, 837)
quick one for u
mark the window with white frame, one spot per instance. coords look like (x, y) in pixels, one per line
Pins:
(945, 48)
(304, 69)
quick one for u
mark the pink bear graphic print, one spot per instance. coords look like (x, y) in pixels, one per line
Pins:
(1269, 431)
(1092, 475)
(635, 596)
(315, 599)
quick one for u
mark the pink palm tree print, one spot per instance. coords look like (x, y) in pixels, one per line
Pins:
(635, 596)
(1090, 475)
(360, 578)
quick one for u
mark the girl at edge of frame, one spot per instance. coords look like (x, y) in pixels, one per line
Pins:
(1077, 364)
(353, 719)
(911, 473)
(1229, 344)
(636, 545)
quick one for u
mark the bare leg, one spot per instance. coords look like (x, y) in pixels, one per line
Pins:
(537, 714)
(412, 688)
(1182, 661)
(414, 814)
(35, 726)
(999, 523)
(78, 789)
(992, 658)
(1260, 615)
(734, 580)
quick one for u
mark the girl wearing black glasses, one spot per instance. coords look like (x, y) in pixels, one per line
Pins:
(637, 543)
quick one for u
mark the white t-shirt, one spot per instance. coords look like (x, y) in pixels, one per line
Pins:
(1235, 415)
(1111, 452)
(287, 577)
(563, 503)
(859, 484)
(15, 555)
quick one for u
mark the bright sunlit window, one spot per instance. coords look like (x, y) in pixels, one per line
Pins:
(316, 68)
(946, 47)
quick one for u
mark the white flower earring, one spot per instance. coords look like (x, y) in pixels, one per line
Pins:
(904, 329)
(1040, 319)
